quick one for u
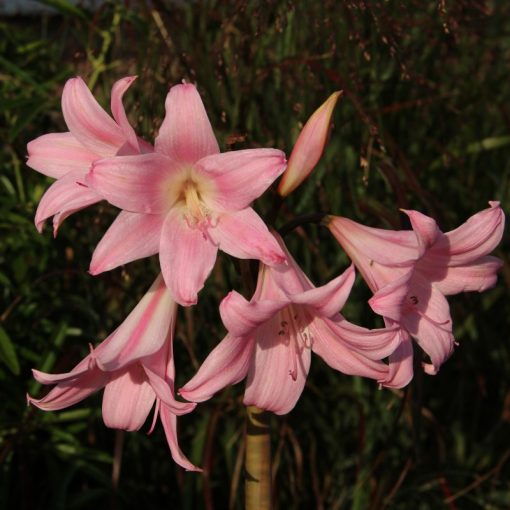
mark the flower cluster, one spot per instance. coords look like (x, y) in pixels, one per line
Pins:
(183, 200)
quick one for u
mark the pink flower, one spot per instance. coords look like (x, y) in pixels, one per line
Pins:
(67, 157)
(309, 146)
(135, 367)
(186, 200)
(270, 339)
(411, 272)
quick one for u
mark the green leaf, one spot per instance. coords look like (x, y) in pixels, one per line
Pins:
(8, 353)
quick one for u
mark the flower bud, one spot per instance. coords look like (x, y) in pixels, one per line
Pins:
(309, 147)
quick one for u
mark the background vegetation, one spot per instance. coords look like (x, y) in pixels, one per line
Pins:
(424, 123)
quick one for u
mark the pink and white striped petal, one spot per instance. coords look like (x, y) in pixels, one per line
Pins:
(63, 198)
(165, 393)
(141, 183)
(477, 276)
(329, 299)
(240, 176)
(389, 301)
(477, 237)
(330, 347)
(57, 154)
(119, 113)
(187, 256)
(400, 362)
(375, 344)
(131, 236)
(169, 421)
(142, 333)
(87, 120)
(69, 390)
(278, 371)
(227, 364)
(186, 134)
(241, 317)
(128, 398)
(244, 235)
(425, 228)
(79, 370)
(379, 255)
(429, 321)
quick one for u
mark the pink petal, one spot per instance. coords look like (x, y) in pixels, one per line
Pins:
(186, 133)
(128, 399)
(477, 237)
(401, 363)
(84, 366)
(142, 333)
(390, 300)
(131, 236)
(375, 344)
(429, 321)
(241, 317)
(57, 154)
(118, 112)
(160, 370)
(244, 235)
(283, 280)
(477, 276)
(332, 349)
(309, 147)
(186, 256)
(240, 176)
(70, 389)
(63, 198)
(277, 372)
(381, 256)
(165, 393)
(425, 228)
(227, 364)
(169, 421)
(140, 184)
(88, 122)
(330, 298)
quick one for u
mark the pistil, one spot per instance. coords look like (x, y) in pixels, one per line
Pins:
(198, 215)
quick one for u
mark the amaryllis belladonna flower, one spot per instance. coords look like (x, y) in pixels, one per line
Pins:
(271, 337)
(186, 200)
(135, 367)
(411, 272)
(67, 157)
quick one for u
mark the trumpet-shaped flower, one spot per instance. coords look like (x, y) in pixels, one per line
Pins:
(309, 147)
(271, 337)
(411, 272)
(67, 157)
(135, 367)
(186, 200)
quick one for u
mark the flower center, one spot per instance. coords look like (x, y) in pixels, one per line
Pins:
(296, 334)
(196, 214)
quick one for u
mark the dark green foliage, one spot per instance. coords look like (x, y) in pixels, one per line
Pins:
(424, 123)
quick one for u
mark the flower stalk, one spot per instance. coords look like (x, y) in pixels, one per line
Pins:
(258, 459)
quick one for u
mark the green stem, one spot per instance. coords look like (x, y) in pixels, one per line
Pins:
(257, 460)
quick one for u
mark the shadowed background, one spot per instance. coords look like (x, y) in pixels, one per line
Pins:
(424, 123)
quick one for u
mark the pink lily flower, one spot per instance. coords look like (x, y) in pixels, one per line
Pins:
(67, 157)
(309, 146)
(186, 200)
(411, 272)
(135, 367)
(271, 337)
